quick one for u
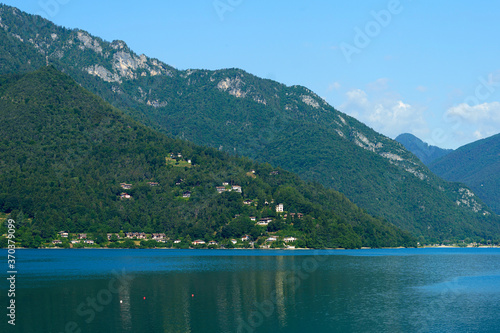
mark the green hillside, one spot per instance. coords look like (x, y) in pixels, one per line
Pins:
(478, 166)
(236, 112)
(64, 154)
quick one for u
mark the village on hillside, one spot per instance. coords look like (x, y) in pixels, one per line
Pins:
(266, 238)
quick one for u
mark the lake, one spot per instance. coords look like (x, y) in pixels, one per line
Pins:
(377, 290)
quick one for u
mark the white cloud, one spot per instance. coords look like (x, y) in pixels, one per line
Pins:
(422, 88)
(471, 123)
(387, 114)
(489, 112)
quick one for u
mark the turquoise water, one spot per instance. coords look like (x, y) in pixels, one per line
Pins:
(395, 290)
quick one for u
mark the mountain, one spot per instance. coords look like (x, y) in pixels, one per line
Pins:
(478, 166)
(66, 157)
(425, 152)
(237, 112)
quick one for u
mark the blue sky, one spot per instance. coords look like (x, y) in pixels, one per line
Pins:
(431, 68)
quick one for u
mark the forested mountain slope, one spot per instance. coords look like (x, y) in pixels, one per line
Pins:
(478, 166)
(425, 152)
(234, 111)
(65, 153)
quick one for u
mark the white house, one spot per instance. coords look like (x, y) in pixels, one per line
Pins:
(271, 239)
(279, 208)
(289, 239)
(264, 221)
(245, 238)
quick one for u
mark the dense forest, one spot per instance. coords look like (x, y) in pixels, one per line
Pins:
(239, 113)
(65, 154)
(477, 165)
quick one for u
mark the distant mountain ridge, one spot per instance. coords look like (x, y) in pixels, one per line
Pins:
(425, 152)
(477, 165)
(234, 111)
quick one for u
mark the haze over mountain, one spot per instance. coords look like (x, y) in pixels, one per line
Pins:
(234, 111)
(478, 166)
(425, 152)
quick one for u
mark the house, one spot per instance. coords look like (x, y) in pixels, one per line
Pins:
(157, 236)
(253, 218)
(137, 235)
(189, 161)
(177, 241)
(126, 186)
(245, 238)
(265, 221)
(271, 239)
(198, 242)
(111, 235)
(279, 208)
(125, 196)
(274, 173)
(179, 182)
(82, 236)
(300, 215)
(186, 194)
(225, 184)
(74, 241)
(56, 241)
(236, 188)
(289, 239)
(221, 189)
(153, 184)
(234, 241)
(212, 242)
(247, 202)
(89, 241)
(63, 234)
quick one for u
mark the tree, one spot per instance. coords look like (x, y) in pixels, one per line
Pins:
(128, 243)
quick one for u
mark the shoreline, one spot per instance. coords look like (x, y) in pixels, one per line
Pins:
(300, 249)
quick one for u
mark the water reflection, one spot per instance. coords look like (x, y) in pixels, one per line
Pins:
(125, 314)
(274, 294)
